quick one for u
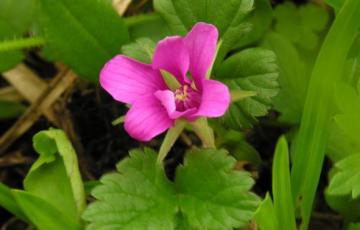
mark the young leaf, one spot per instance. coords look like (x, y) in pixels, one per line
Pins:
(182, 15)
(139, 196)
(8, 202)
(311, 140)
(255, 70)
(142, 49)
(347, 179)
(212, 194)
(56, 172)
(82, 34)
(260, 20)
(300, 25)
(281, 187)
(42, 214)
(293, 78)
(265, 215)
(344, 137)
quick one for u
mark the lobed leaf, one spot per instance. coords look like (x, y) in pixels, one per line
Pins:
(212, 194)
(227, 16)
(255, 70)
(207, 194)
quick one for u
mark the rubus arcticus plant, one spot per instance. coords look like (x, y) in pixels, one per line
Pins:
(220, 77)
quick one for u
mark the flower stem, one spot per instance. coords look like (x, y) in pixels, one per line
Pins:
(21, 43)
(204, 132)
(170, 138)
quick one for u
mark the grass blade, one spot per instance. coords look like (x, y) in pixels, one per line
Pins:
(312, 137)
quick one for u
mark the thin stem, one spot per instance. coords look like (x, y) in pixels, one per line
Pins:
(171, 136)
(204, 132)
(21, 43)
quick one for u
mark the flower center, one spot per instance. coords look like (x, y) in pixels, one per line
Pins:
(187, 97)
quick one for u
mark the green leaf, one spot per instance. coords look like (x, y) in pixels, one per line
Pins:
(344, 136)
(354, 226)
(15, 19)
(227, 16)
(10, 109)
(260, 20)
(336, 4)
(42, 214)
(212, 194)
(17, 14)
(300, 25)
(56, 172)
(139, 196)
(255, 70)
(208, 194)
(142, 50)
(293, 78)
(8, 202)
(149, 25)
(8, 58)
(347, 179)
(82, 34)
(265, 215)
(311, 141)
(281, 187)
(345, 205)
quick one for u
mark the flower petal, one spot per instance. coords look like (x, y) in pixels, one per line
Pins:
(172, 55)
(147, 118)
(201, 43)
(215, 99)
(128, 80)
(167, 99)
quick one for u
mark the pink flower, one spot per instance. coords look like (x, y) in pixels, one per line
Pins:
(155, 107)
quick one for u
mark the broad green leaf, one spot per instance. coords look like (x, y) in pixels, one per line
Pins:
(142, 50)
(42, 214)
(312, 138)
(17, 14)
(336, 4)
(300, 25)
(227, 16)
(83, 34)
(281, 187)
(255, 70)
(260, 20)
(208, 194)
(10, 109)
(344, 136)
(139, 196)
(149, 25)
(235, 142)
(56, 172)
(8, 58)
(293, 78)
(212, 194)
(265, 215)
(347, 179)
(15, 19)
(8, 202)
(344, 204)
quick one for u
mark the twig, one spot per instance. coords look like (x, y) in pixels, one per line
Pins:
(56, 87)
(29, 85)
(14, 159)
(121, 6)
(10, 94)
